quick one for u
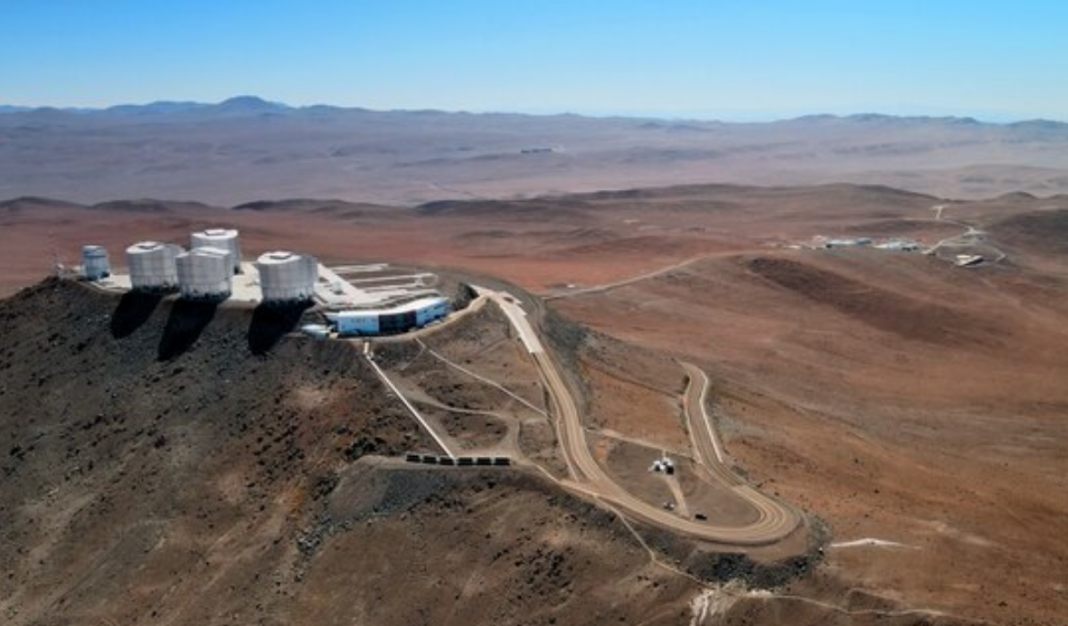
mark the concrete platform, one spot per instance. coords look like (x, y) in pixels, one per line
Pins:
(334, 291)
(331, 290)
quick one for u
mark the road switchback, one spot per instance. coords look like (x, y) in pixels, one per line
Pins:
(775, 520)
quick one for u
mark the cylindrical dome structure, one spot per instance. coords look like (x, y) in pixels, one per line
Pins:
(224, 238)
(95, 264)
(287, 277)
(152, 266)
(204, 273)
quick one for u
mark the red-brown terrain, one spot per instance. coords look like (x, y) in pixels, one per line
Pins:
(890, 395)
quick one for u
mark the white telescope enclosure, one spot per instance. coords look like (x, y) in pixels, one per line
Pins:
(152, 266)
(287, 276)
(205, 273)
(95, 263)
(224, 238)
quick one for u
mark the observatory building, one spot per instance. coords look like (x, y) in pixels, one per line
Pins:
(287, 277)
(223, 238)
(152, 266)
(377, 302)
(394, 320)
(95, 264)
(205, 273)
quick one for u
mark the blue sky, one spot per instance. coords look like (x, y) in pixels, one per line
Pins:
(755, 59)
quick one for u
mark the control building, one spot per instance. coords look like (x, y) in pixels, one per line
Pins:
(394, 320)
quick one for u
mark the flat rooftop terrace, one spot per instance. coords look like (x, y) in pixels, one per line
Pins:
(331, 289)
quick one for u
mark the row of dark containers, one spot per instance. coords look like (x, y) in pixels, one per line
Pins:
(463, 461)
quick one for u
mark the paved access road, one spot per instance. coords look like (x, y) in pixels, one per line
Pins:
(775, 522)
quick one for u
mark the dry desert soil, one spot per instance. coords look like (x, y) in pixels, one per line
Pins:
(168, 464)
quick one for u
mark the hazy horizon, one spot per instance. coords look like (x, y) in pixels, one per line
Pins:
(750, 116)
(688, 60)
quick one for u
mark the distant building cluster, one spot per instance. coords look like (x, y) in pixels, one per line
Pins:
(895, 244)
(970, 258)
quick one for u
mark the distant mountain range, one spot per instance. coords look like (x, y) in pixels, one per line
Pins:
(254, 105)
(239, 104)
(247, 148)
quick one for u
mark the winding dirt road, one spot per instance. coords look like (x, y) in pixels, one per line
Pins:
(585, 291)
(709, 453)
(702, 435)
(775, 520)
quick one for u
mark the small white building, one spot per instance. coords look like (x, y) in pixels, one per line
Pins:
(95, 263)
(152, 266)
(397, 319)
(223, 238)
(205, 273)
(663, 465)
(848, 243)
(899, 245)
(287, 277)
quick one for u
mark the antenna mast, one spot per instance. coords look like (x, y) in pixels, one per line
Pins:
(57, 266)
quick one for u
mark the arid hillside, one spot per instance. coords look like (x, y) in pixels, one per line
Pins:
(912, 408)
(172, 465)
(918, 408)
(212, 485)
(543, 244)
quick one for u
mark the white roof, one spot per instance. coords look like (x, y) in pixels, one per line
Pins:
(407, 307)
(218, 233)
(144, 246)
(278, 256)
(206, 251)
